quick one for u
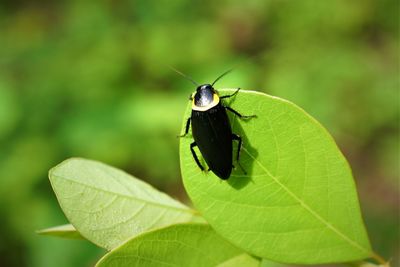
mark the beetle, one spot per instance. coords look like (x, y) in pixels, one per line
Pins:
(211, 129)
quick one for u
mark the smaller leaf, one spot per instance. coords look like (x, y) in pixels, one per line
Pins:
(241, 260)
(64, 231)
(108, 206)
(268, 263)
(176, 245)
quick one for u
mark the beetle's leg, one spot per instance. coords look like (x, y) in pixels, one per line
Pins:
(192, 145)
(243, 117)
(239, 139)
(186, 128)
(227, 96)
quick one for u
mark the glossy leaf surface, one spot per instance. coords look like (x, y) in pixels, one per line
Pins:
(297, 203)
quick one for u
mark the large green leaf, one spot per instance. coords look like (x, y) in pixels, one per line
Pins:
(108, 206)
(297, 203)
(177, 245)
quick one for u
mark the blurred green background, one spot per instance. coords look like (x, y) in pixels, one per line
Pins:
(90, 79)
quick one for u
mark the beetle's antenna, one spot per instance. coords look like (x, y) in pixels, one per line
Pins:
(222, 75)
(183, 75)
(234, 67)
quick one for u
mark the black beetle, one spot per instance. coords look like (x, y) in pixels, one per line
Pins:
(211, 129)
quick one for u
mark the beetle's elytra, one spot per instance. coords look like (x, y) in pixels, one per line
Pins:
(211, 130)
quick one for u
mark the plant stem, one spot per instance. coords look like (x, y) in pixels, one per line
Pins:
(379, 259)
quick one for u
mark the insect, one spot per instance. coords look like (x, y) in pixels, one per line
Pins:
(211, 129)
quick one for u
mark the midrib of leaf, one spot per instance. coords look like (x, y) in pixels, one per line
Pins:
(187, 210)
(308, 208)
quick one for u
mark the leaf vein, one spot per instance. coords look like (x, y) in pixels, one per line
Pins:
(308, 208)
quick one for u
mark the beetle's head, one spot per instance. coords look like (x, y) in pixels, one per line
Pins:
(205, 96)
(205, 88)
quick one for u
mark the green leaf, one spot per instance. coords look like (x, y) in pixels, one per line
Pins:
(64, 231)
(297, 203)
(176, 245)
(241, 260)
(108, 206)
(268, 263)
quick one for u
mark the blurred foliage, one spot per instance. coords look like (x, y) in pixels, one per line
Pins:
(90, 79)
